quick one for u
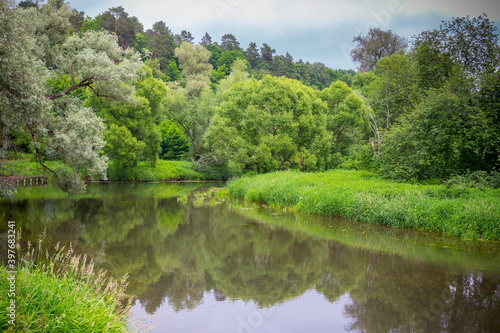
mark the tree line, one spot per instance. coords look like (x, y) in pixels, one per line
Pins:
(91, 90)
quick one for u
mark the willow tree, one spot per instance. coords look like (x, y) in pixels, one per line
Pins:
(268, 125)
(345, 110)
(36, 49)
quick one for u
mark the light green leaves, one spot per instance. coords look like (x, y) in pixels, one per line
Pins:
(263, 125)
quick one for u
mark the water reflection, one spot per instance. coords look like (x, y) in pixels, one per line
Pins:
(186, 261)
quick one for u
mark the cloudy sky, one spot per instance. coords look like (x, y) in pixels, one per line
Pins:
(312, 30)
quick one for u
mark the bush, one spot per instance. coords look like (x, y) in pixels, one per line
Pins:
(478, 179)
(174, 143)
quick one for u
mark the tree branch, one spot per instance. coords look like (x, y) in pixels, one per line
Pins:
(84, 83)
(34, 137)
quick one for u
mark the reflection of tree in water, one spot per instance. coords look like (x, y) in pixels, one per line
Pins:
(418, 298)
(179, 253)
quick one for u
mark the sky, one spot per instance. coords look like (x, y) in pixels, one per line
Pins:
(311, 30)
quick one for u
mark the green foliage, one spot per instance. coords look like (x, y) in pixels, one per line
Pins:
(489, 102)
(122, 147)
(445, 136)
(174, 143)
(91, 24)
(477, 179)
(116, 21)
(136, 120)
(360, 196)
(346, 110)
(37, 45)
(161, 43)
(470, 43)
(262, 125)
(196, 70)
(6, 190)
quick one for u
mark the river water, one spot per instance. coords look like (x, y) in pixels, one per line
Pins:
(239, 267)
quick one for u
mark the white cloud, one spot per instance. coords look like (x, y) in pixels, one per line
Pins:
(456, 7)
(308, 29)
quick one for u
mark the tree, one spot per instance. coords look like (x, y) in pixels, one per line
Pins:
(161, 43)
(489, 102)
(227, 58)
(137, 117)
(174, 143)
(283, 66)
(391, 91)
(31, 39)
(206, 40)
(122, 147)
(445, 136)
(184, 36)
(374, 46)
(266, 125)
(96, 61)
(252, 54)
(472, 44)
(185, 104)
(266, 53)
(229, 43)
(117, 21)
(196, 70)
(346, 110)
(90, 24)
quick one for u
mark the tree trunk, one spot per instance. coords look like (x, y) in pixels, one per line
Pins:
(372, 143)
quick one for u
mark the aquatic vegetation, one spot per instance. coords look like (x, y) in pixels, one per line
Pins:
(211, 198)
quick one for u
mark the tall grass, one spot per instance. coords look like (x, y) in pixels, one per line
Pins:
(360, 196)
(61, 292)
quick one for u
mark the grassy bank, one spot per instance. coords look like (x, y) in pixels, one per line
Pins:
(360, 196)
(25, 167)
(62, 294)
(163, 171)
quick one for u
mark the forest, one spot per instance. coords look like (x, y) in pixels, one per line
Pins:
(97, 98)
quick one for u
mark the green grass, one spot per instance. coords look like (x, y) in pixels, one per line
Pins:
(164, 171)
(26, 167)
(62, 293)
(360, 196)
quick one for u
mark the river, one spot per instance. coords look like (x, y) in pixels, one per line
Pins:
(241, 267)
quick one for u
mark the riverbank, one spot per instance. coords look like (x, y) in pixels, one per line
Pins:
(361, 196)
(60, 293)
(143, 172)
